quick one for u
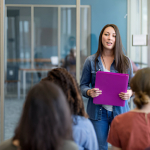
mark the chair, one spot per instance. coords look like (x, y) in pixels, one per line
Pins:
(12, 77)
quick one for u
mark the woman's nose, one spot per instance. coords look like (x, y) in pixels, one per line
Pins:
(110, 37)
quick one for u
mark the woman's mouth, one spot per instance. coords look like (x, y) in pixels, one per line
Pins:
(109, 43)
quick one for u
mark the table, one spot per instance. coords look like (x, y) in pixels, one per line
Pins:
(24, 71)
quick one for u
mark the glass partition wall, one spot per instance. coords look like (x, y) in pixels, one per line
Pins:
(18, 56)
(137, 25)
(2, 16)
(38, 39)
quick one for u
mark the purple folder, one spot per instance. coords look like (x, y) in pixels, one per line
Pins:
(111, 85)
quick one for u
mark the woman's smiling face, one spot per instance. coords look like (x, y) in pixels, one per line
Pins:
(109, 38)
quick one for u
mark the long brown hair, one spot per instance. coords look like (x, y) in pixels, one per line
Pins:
(68, 83)
(122, 63)
(46, 119)
(140, 84)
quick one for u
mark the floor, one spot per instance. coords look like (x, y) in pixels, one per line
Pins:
(12, 112)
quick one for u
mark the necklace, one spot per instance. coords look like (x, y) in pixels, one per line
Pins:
(104, 62)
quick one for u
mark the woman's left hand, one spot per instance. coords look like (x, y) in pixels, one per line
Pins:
(125, 96)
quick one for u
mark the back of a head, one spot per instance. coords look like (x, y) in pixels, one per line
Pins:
(46, 119)
(140, 84)
(68, 84)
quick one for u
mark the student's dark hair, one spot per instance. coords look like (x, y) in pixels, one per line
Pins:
(46, 119)
(69, 85)
(122, 63)
(140, 84)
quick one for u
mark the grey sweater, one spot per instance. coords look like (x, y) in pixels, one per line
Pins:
(7, 145)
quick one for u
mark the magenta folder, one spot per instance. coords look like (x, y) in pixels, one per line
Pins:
(111, 85)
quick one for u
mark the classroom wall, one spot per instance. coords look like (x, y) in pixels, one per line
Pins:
(102, 12)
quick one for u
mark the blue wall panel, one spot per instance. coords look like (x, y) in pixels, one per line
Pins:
(107, 12)
(102, 12)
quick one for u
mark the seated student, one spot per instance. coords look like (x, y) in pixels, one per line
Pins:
(45, 123)
(131, 130)
(83, 131)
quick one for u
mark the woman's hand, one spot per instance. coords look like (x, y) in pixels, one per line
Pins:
(125, 96)
(94, 92)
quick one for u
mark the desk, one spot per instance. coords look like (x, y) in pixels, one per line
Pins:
(24, 71)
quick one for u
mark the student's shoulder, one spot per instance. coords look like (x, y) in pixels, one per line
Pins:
(124, 117)
(81, 119)
(69, 145)
(7, 145)
(84, 123)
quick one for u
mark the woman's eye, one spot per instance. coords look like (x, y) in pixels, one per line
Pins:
(106, 34)
(114, 35)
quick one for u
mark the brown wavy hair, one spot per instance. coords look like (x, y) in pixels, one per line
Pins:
(140, 84)
(46, 119)
(68, 84)
(122, 62)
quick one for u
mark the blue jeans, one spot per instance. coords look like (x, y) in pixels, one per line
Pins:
(102, 127)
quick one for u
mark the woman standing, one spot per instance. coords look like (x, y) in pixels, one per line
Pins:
(109, 58)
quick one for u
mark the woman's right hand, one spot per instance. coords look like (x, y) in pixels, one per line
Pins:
(94, 92)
